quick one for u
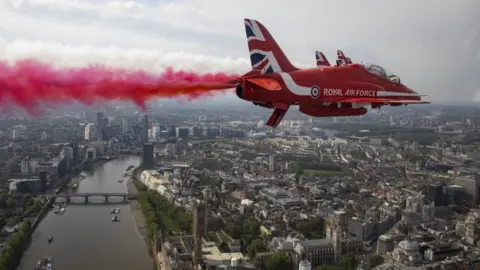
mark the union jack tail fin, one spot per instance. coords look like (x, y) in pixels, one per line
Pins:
(342, 59)
(265, 54)
(322, 61)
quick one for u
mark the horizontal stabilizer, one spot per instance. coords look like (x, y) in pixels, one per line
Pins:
(276, 117)
(266, 83)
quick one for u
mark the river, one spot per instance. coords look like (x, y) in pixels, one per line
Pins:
(85, 237)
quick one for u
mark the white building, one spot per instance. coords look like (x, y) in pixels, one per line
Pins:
(90, 132)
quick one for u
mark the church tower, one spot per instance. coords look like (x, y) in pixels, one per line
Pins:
(337, 243)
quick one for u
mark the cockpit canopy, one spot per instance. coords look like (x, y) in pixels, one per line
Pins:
(380, 71)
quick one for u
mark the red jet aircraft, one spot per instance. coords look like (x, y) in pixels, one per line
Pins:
(327, 91)
(322, 61)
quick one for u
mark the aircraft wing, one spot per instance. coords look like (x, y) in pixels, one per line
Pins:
(276, 117)
(379, 100)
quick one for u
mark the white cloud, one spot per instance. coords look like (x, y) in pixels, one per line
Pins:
(431, 45)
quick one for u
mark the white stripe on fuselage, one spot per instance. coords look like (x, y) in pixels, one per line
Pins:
(293, 87)
(306, 90)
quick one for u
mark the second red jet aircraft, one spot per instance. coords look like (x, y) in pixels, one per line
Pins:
(325, 91)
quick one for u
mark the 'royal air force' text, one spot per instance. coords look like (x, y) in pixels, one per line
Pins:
(349, 93)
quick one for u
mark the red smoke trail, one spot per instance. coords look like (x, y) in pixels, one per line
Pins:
(29, 83)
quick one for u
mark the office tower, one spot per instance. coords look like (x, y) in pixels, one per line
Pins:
(435, 194)
(145, 128)
(126, 128)
(148, 158)
(76, 153)
(90, 130)
(471, 188)
(100, 125)
(182, 132)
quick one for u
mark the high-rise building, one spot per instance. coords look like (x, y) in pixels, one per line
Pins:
(67, 155)
(271, 163)
(145, 128)
(199, 231)
(182, 132)
(16, 134)
(471, 188)
(435, 194)
(76, 153)
(90, 132)
(100, 125)
(126, 128)
(44, 136)
(148, 158)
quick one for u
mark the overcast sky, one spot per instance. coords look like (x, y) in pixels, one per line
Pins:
(432, 45)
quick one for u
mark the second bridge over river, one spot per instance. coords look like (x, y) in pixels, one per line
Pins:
(89, 197)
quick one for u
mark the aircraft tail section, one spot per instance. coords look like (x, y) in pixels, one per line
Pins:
(342, 59)
(265, 54)
(322, 61)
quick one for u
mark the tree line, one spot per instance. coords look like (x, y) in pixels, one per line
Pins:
(12, 254)
(282, 261)
(160, 213)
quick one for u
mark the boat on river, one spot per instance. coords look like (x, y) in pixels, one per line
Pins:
(44, 264)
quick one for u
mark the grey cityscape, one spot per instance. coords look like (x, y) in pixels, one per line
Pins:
(181, 187)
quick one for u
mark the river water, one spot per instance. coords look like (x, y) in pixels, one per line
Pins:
(85, 237)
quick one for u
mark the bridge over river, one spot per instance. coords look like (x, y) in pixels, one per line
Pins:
(87, 196)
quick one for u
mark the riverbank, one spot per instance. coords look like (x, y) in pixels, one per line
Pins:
(137, 213)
